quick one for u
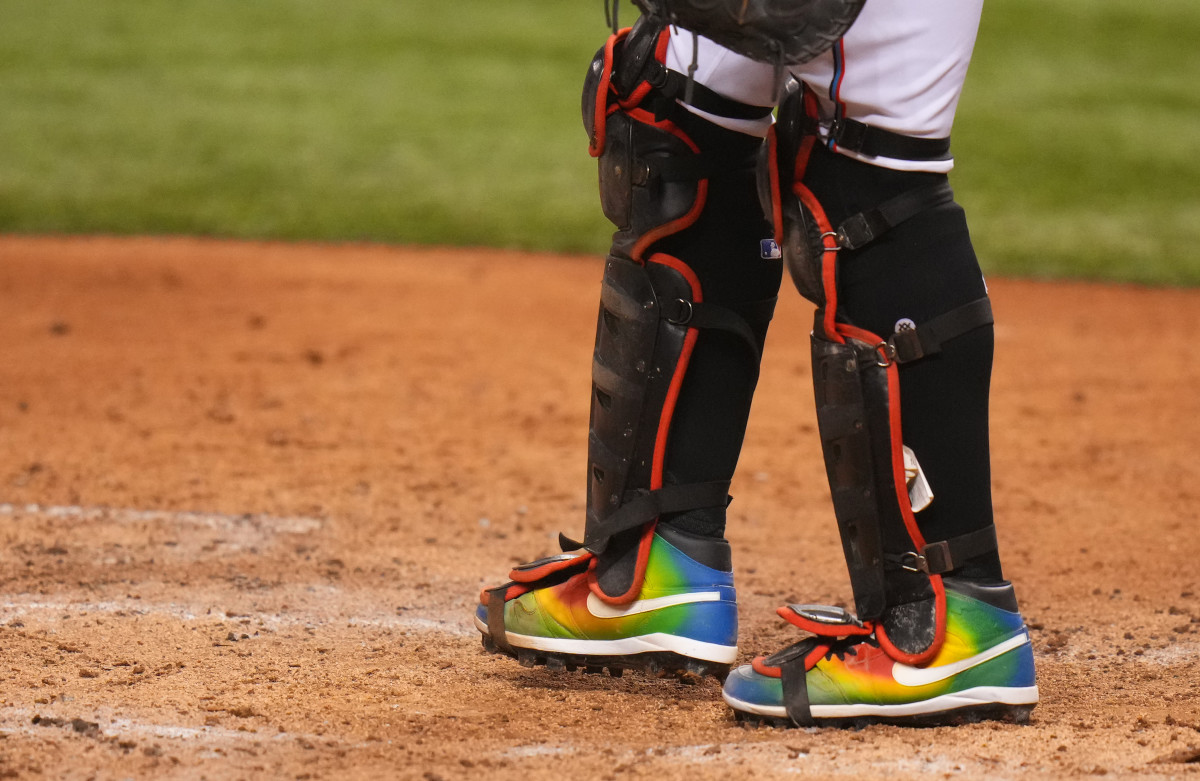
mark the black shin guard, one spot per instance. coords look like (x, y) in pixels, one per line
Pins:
(686, 304)
(886, 257)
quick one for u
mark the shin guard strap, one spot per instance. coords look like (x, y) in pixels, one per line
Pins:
(641, 507)
(495, 611)
(927, 338)
(722, 318)
(938, 558)
(794, 677)
(861, 229)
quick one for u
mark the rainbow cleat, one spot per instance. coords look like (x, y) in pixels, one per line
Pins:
(682, 619)
(982, 669)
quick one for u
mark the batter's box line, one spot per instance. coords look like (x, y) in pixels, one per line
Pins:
(258, 521)
(18, 720)
(14, 606)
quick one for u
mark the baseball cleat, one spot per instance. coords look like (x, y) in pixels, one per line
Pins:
(983, 670)
(683, 619)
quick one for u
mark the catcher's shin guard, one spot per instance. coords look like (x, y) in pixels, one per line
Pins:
(894, 571)
(685, 304)
(928, 646)
(660, 167)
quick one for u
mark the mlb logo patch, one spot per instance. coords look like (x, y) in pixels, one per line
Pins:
(769, 250)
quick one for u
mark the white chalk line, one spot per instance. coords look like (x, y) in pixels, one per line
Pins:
(257, 521)
(17, 720)
(13, 606)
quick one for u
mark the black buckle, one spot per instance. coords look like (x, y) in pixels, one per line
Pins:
(937, 557)
(907, 345)
(854, 232)
(848, 133)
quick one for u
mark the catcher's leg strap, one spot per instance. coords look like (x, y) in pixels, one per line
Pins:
(861, 229)
(807, 242)
(912, 342)
(864, 139)
(495, 617)
(793, 668)
(942, 556)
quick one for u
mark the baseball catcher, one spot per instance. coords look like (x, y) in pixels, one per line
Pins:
(830, 119)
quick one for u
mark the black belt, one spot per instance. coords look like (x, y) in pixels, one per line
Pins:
(859, 137)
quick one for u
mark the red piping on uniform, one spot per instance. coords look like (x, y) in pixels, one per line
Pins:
(839, 75)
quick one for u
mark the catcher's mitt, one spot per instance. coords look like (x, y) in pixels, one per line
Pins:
(782, 32)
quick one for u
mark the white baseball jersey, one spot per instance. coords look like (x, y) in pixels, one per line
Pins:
(900, 67)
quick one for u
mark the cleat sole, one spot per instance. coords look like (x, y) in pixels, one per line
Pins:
(1013, 714)
(660, 664)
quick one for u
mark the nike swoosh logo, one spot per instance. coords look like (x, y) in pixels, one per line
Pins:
(923, 676)
(601, 609)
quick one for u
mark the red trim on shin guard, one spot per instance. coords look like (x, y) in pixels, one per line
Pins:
(761, 667)
(821, 629)
(602, 109)
(514, 590)
(693, 214)
(772, 142)
(905, 504)
(829, 258)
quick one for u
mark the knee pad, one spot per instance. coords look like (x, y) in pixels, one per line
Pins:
(654, 169)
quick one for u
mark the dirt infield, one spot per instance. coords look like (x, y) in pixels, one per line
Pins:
(249, 492)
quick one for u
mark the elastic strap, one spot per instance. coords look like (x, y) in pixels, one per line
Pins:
(913, 343)
(947, 555)
(938, 558)
(722, 318)
(676, 87)
(863, 228)
(495, 617)
(864, 139)
(794, 677)
(642, 507)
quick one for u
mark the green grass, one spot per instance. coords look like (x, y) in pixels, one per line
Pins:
(458, 123)
(1077, 140)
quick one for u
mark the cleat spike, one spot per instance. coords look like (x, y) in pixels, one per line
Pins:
(555, 664)
(616, 672)
(526, 657)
